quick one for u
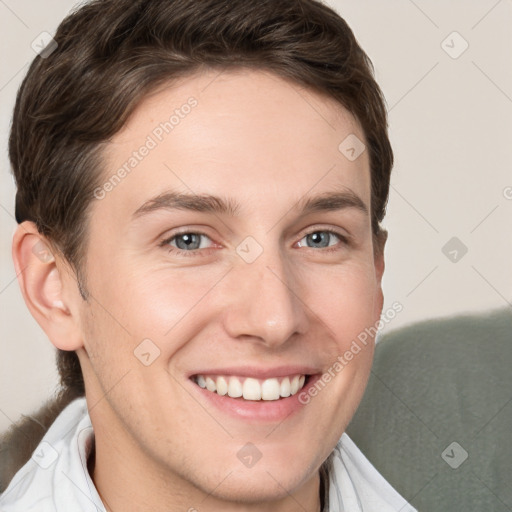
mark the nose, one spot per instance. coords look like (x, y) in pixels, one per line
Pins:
(265, 303)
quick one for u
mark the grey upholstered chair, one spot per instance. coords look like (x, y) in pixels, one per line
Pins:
(434, 384)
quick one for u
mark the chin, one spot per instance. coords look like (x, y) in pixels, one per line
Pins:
(257, 487)
(268, 481)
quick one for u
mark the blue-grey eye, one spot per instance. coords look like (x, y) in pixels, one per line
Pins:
(190, 241)
(320, 239)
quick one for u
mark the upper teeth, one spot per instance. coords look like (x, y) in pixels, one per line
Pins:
(252, 389)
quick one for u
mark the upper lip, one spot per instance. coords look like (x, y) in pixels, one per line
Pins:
(258, 372)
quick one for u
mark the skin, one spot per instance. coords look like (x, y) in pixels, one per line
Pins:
(265, 142)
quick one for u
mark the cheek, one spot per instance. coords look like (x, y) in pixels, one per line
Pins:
(346, 299)
(147, 300)
(171, 305)
(348, 310)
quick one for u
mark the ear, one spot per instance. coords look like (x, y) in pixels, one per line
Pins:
(45, 283)
(379, 243)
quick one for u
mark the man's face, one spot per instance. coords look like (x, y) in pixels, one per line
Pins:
(241, 301)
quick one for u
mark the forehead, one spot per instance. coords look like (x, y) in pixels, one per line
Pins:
(244, 133)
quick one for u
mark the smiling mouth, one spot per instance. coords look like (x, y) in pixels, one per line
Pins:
(248, 388)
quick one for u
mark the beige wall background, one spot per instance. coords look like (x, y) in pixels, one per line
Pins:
(446, 71)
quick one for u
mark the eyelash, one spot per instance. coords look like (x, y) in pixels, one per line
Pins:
(200, 252)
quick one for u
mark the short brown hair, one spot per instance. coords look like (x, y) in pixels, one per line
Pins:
(112, 53)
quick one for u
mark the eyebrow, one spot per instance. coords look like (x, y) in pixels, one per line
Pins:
(170, 200)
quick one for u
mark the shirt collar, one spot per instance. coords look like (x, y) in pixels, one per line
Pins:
(57, 474)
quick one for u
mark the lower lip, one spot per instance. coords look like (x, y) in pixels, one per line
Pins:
(257, 410)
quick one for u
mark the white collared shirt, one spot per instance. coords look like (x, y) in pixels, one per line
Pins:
(56, 478)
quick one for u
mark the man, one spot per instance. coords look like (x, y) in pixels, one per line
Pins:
(200, 187)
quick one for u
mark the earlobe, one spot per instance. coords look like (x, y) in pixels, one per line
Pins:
(42, 286)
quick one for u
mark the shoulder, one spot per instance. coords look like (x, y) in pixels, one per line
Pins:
(40, 481)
